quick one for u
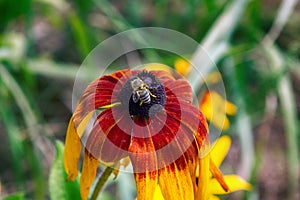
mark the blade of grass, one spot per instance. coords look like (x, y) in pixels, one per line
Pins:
(288, 108)
(215, 44)
(14, 138)
(244, 126)
(286, 9)
(31, 123)
(80, 33)
(285, 93)
(53, 69)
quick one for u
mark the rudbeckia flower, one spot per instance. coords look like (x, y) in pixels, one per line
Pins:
(146, 116)
(215, 109)
(211, 182)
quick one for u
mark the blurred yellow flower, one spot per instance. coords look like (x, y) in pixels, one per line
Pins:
(182, 66)
(212, 105)
(215, 108)
(208, 187)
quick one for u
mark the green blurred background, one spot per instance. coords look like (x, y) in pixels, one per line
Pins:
(43, 43)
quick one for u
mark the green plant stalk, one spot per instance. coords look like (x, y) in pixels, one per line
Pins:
(101, 181)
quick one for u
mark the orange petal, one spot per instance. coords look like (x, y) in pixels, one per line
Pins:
(217, 174)
(72, 151)
(176, 182)
(234, 182)
(143, 158)
(88, 175)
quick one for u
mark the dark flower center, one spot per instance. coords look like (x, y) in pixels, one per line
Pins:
(143, 94)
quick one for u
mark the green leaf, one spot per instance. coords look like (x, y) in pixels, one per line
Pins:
(59, 187)
(16, 196)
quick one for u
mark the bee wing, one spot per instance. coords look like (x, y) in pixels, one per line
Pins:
(135, 97)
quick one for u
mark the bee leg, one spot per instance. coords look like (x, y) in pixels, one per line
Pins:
(141, 103)
(152, 95)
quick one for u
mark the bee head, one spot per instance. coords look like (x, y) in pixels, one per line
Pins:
(136, 83)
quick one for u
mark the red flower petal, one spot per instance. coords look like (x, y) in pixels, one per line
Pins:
(99, 93)
(143, 158)
(178, 90)
(191, 117)
(110, 137)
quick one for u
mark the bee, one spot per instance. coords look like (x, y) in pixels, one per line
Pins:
(141, 91)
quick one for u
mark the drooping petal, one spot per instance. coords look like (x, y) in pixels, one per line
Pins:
(220, 149)
(143, 158)
(110, 137)
(217, 174)
(73, 146)
(72, 151)
(203, 192)
(100, 93)
(89, 169)
(234, 182)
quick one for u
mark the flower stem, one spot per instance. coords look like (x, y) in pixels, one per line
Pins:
(102, 180)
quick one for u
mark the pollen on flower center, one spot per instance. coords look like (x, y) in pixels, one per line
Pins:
(143, 94)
